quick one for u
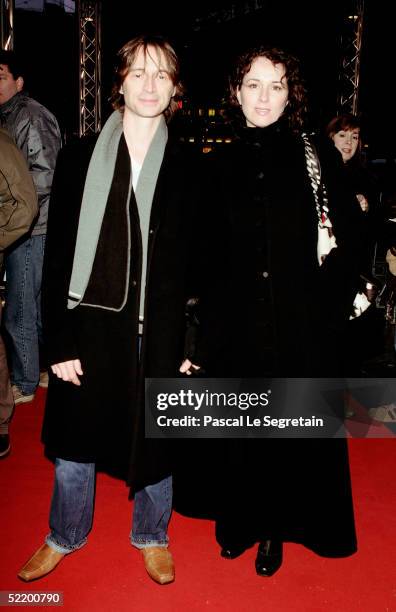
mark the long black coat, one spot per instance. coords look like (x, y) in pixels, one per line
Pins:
(103, 419)
(264, 242)
(270, 310)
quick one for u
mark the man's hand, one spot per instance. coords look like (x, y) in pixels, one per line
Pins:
(68, 370)
(188, 368)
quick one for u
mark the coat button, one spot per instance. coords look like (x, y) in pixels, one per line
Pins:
(265, 274)
(151, 231)
(134, 283)
(260, 175)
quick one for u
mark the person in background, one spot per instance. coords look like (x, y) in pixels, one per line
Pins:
(391, 261)
(386, 413)
(345, 132)
(36, 133)
(364, 333)
(18, 208)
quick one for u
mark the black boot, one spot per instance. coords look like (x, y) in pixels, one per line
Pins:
(269, 557)
(232, 552)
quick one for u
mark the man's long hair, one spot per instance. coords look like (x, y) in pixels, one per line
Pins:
(126, 57)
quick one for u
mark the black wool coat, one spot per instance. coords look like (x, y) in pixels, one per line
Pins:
(268, 309)
(262, 266)
(102, 421)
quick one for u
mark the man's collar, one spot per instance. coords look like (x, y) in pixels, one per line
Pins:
(9, 106)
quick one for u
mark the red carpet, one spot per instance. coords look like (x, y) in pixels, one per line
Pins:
(108, 573)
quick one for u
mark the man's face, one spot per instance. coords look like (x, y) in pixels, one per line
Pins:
(8, 85)
(148, 87)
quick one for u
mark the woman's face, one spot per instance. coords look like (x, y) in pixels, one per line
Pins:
(264, 93)
(347, 142)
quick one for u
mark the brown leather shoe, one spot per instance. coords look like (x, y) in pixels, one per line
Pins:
(158, 562)
(44, 560)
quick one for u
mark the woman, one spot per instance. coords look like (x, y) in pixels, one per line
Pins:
(345, 132)
(270, 309)
(364, 332)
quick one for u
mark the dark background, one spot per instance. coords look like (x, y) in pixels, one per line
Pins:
(49, 42)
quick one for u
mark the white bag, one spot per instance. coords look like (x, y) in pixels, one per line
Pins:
(326, 239)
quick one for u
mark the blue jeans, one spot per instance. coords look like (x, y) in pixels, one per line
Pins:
(22, 313)
(72, 508)
(6, 398)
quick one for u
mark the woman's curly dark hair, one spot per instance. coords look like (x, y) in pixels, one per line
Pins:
(296, 109)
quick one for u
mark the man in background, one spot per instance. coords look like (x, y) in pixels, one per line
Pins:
(36, 133)
(18, 208)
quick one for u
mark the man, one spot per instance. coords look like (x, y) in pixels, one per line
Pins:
(36, 133)
(18, 208)
(119, 234)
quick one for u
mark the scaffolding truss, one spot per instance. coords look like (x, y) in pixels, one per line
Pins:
(89, 22)
(7, 24)
(351, 46)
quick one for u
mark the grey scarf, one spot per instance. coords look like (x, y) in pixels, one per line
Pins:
(96, 192)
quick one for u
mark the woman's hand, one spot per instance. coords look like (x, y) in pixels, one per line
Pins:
(188, 368)
(68, 371)
(364, 205)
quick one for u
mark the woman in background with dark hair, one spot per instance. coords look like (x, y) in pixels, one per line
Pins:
(364, 334)
(345, 132)
(271, 310)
